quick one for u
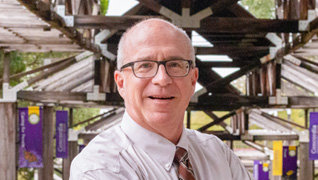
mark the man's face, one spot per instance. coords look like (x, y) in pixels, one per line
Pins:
(160, 101)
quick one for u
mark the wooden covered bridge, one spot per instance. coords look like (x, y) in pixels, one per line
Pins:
(277, 57)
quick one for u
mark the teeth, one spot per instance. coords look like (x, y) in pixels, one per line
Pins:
(157, 97)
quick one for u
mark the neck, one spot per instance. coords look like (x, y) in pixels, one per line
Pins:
(171, 130)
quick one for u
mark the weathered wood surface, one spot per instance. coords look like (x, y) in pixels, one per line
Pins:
(72, 152)
(306, 166)
(46, 173)
(8, 141)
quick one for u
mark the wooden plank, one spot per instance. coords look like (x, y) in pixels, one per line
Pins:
(277, 119)
(48, 139)
(206, 75)
(224, 81)
(247, 25)
(300, 76)
(290, 89)
(72, 152)
(303, 102)
(267, 122)
(39, 96)
(6, 67)
(205, 127)
(224, 136)
(227, 102)
(219, 6)
(240, 11)
(106, 22)
(42, 10)
(51, 71)
(210, 24)
(151, 4)
(232, 50)
(19, 75)
(8, 141)
(306, 166)
(275, 137)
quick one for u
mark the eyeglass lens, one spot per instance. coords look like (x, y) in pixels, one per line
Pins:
(174, 68)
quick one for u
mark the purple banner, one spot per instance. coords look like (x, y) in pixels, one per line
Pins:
(30, 136)
(313, 136)
(290, 162)
(261, 170)
(61, 134)
(81, 147)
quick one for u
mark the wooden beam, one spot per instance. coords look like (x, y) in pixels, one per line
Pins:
(19, 75)
(6, 67)
(8, 140)
(277, 119)
(51, 71)
(151, 4)
(48, 139)
(224, 136)
(210, 24)
(72, 152)
(226, 80)
(227, 102)
(300, 77)
(220, 5)
(306, 166)
(267, 123)
(43, 11)
(247, 25)
(39, 96)
(206, 75)
(106, 22)
(233, 50)
(217, 121)
(275, 137)
(303, 102)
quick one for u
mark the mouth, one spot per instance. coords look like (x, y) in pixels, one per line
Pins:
(161, 97)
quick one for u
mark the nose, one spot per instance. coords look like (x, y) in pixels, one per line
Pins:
(162, 78)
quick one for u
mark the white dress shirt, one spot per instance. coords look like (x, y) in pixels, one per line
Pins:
(131, 152)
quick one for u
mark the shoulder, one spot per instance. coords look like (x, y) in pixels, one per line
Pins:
(101, 154)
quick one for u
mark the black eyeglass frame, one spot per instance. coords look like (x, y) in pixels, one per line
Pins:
(131, 64)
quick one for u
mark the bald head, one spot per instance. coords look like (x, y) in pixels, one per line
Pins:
(149, 31)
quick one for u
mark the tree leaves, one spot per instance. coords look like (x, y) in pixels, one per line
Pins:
(103, 6)
(264, 9)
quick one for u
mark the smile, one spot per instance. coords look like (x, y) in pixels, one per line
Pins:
(160, 98)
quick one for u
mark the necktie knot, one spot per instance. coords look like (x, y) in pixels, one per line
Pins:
(181, 158)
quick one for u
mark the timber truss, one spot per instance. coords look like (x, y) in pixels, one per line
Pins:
(272, 54)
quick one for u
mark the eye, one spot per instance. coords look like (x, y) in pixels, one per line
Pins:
(176, 64)
(143, 66)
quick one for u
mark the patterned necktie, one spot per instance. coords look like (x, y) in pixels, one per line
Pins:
(185, 171)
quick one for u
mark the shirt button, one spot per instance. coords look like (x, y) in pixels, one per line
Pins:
(168, 166)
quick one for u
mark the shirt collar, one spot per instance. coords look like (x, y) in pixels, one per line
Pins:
(156, 146)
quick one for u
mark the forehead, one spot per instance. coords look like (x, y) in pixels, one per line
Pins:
(146, 42)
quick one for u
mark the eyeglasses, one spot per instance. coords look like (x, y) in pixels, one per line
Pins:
(149, 68)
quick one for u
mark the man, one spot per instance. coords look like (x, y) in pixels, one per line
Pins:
(156, 77)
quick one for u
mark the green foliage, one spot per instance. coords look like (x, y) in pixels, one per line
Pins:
(82, 114)
(20, 62)
(103, 6)
(264, 9)
(26, 174)
(16, 63)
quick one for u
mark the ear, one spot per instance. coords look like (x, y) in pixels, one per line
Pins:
(195, 76)
(119, 79)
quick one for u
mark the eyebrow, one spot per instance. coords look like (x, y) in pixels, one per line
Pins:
(166, 59)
